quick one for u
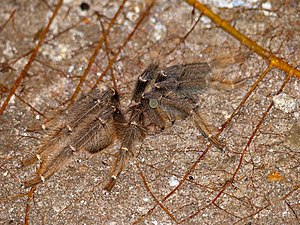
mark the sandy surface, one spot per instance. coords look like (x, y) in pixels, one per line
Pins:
(265, 189)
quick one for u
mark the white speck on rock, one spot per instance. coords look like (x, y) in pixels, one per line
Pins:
(59, 206)
(9, 50)
(256, 159)
(146, 199)
(12, 99)
(173, 182)
(267, 5)
(285, 103)
(225, 114)
(76, 34)
(232, 3)
(206, 21)
(40, 204)
(154, 222)
(160, 31)
(71, 68)
(132, 16)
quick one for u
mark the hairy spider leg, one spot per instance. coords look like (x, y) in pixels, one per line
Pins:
(144, 80)
(202, 127)
(134, 130)
(67, 121)
(92, 132)
(227, 85)
(95, 121)
(181, 109)
(133, 133)
(177, 89)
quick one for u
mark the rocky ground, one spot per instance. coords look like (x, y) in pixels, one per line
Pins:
(262, 157)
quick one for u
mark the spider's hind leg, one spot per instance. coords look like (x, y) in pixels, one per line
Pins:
(227, 85)
(49, 165)
(130, 133)
(88, 125)
(202, 127)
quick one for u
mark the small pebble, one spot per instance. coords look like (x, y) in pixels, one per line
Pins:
(173, 181)
(285, 103)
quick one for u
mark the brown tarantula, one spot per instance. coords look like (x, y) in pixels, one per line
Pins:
(96, 120)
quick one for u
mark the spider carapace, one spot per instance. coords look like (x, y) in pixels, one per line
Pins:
(96, 121)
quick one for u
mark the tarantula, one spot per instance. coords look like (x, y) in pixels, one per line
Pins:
(96, 121)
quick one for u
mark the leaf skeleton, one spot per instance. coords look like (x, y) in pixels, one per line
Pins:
(96, 121)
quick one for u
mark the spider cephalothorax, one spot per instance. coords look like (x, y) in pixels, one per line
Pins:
(95, 121)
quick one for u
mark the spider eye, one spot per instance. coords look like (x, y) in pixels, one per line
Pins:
(153, 103)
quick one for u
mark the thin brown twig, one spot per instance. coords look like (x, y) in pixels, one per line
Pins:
(186, 175)
(22, 100)
(268, 205)
(252, 45)
(253, 87)
(112, 61)
(6, 198)
(50, 66)
(183, 38)
(153, 196)
(46, 41)
(7, 21)
(92, 59)
(30, 197)
(252, 214)
(242, 155)
(291, 208)
(27, 66)
(229, 213)
(107, 53)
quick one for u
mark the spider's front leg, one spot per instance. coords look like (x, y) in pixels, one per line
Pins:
(148, 75)
(132, 133)
(134, 130)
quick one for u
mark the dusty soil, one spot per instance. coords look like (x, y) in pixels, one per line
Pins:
(262, 158)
